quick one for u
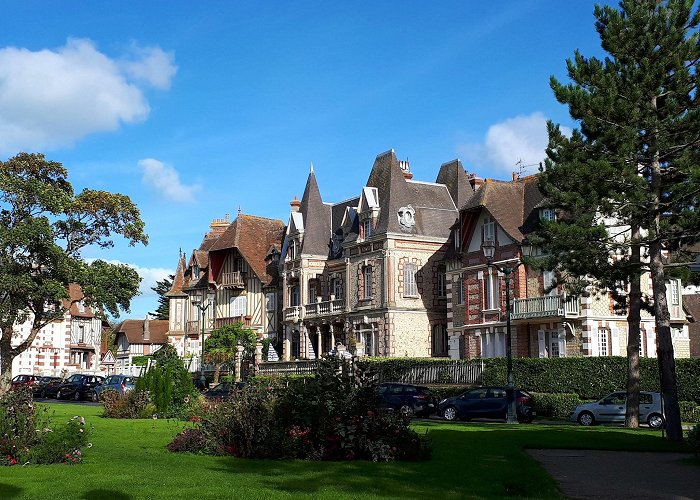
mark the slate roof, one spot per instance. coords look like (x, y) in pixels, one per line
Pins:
(134, 331)
(453, 175)
(179, 280)
(253, 237)
(511, 203)
(316, 234)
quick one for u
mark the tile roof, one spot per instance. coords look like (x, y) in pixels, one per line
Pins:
(511, 203)
(75, 292)
(134, 331)
(253, 237)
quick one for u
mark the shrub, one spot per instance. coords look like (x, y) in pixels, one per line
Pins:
(133, 404)
(26, 436)
(169, 388)
(331, 416)
(690, 412)
(554, 405)
(693, 440)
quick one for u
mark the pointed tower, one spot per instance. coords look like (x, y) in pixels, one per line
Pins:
(316, 217)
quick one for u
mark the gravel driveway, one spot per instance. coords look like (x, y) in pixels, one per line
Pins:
(621, 474)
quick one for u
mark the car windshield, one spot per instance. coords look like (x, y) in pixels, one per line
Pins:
(75, 378)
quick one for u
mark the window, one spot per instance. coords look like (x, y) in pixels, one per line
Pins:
(489, 229)
(458, 236)
(367, 282)
(410, 288)
(270, 300)
(439, 340)
(674, 293)
(441, 283)
(549, 281)
(641, 343)
(313, 291)
(366, 228)
(296, 344)
(493, 344)
(557, 345)
(548, 214)
(81, 334)
(603, 342)
(338, 290)
(458, 291)
(492, 291)
(81, 306)
(238, 306)
(294, 295)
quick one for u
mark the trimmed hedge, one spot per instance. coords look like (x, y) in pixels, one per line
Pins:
(588, 377)
(554, 405)
(690, 412)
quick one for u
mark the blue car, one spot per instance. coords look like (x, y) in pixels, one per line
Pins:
(486, 402)
(119, 383)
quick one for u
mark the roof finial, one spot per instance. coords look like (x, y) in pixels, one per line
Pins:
(312, 168)
(239, 210)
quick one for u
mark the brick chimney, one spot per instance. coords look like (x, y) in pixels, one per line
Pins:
(406, 169)
(146, 330)
(475, 181)
(218, 226)
(295, 204)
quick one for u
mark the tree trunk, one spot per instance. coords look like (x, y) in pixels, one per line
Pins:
(6, 357)
(667, 363)
(217, 371)
(633, 321)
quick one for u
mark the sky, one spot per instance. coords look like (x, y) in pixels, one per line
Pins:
(196, 110)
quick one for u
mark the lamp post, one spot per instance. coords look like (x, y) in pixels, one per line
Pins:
(203, 309)
(489, 249)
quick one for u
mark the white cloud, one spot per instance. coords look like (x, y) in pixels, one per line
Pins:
(149, 275)
(52, 98)
(151, 65)
(522, 138)
(165, 180)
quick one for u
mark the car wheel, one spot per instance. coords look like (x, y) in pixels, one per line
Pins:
(450, 413)
(59, 394)
(76, 396)
(406, 409)
(655, 421)
(586, 418)
(43, 394)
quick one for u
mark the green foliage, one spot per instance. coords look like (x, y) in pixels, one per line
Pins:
(690, 411)
(162, 287)
(168, 385)
(133, 404)
(44, 226)
(139, 360)
(27, 436)
(331, 416)
(554, 405)
(228, 337)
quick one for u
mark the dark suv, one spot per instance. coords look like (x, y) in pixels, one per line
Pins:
(78, 386)
(407, 398)
(486, 402)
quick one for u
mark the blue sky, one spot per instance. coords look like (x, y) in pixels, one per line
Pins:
(194, 109)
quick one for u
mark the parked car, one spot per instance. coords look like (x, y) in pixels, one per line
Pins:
(486, 402)
(119, 383)
(222, 390)
(20, 381)
(612, 408)
(78, 386)
(46, 386)
(407, 398)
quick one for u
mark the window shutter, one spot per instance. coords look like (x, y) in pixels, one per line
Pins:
(614, 342)
(651, 344)
(541, 344)
(562, 343)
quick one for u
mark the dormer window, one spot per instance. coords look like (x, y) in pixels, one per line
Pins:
(195, 271)
(458, 237)
(548, 214)
(366, 228)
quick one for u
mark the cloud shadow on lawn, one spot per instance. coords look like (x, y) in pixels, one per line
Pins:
(101, 493)
(9, 490)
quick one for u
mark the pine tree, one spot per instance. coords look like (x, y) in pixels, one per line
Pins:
(162, 287)
(627, 182)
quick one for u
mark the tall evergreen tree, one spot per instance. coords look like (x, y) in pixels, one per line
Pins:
(628, 181)
(162, 287)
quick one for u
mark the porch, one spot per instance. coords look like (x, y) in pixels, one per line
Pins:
(545, 307)
(324, 308)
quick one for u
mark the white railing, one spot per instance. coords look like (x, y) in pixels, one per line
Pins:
(235, 278)
(293, 313)
(324, 308)
(547, 306)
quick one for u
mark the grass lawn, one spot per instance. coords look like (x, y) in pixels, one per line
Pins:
(128, 460)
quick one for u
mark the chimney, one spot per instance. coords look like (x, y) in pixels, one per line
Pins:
(218, 226)
(475, 181)
(146, 330)
(406, 169)
(295, 204)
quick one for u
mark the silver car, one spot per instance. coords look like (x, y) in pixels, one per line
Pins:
(612, 408)
(120, 383)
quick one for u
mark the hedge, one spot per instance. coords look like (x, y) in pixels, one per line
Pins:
(588, 377)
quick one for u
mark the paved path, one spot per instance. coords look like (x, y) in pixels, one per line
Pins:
(621, 474)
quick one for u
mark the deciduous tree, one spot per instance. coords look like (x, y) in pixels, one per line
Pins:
(44, 226)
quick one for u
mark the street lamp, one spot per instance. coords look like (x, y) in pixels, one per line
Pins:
(489, 249)
(203, 309)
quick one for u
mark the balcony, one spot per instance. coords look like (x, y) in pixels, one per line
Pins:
(235, 279)
(293, 314)
(325, 308)
(246, 320)
(545, 307)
